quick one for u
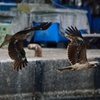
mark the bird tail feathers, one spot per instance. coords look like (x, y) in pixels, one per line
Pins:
(64, 69)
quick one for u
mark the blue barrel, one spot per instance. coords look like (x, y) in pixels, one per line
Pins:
(52, 34)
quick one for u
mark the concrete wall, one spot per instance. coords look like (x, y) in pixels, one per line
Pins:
(41, 79)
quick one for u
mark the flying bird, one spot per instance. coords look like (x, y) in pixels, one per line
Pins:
(15, 46)
(76, 51)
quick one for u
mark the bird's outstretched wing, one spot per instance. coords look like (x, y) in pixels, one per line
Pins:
(73, 31)
(76, 48)
(17, 53)
(6, 40)
(42, 26)
(25, 33)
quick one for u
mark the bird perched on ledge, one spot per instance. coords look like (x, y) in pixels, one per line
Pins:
(76, 51)
(15, 47)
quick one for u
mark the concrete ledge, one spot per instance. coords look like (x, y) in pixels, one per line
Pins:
(41, 77)
(20, 96)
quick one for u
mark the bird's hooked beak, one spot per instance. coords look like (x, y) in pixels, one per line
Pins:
(94, 63)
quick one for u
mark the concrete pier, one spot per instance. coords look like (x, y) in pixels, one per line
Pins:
(40, 78)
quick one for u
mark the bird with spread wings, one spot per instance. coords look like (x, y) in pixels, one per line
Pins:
(76, 51)
(15, 46)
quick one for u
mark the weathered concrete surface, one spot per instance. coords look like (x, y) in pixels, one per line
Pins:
(40, 76)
